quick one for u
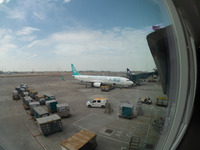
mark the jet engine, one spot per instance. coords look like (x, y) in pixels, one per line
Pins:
(96, 84)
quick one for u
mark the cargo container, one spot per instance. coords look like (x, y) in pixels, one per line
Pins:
(39, 112)
(21, 91)
(17, 88)
(33, 105)
(26, 101)
(22, 85)
(40, 98)
(33, 94)
(126, 111)
(15, 95)
(49, 124)
(162, 101)
(28, 90)
(83, 140)
(51, 105)
(49, 97)
(25, 94)
(63, 110)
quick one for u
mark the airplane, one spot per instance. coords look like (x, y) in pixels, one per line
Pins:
(136, 77)
(98, 81)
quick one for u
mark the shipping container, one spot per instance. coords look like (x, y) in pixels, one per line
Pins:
(33, 94)
(26, 101)
(49, 97)
(17, 88)
(126, 111)
(51, 105)
(21, 90)
(15, 95)
(25, 94)
(29, 90)
(49, 124)
(22, 85)
(40, 98)
(39, 112)
(63, 110)
(83, 140)
(33, 105)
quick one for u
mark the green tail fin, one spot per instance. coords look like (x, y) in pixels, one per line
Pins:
(74, 72)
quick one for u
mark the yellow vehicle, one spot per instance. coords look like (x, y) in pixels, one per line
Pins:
(146, 100)
(162, 101)
(105, 88)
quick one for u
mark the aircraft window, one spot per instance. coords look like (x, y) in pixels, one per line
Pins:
(39, 41)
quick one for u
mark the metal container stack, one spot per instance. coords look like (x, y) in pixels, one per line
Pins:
(49, 97)
(49, 124)
(33, 94)
(40, 98)
(33, 105)
(51, 105)
(25, 94)
(15, 95)
(39, 112)
(26, 102)
(63, 110)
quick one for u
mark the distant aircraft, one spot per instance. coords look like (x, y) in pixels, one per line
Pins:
(62, 77)
(98, 81)
(136, 77)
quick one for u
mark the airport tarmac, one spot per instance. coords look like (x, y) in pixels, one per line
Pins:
(18, 130)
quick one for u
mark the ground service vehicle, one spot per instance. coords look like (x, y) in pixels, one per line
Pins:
(97, 102)
(146, 100)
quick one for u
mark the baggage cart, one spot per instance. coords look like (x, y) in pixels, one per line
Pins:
(49, 124)
(126, 111)
(39, 112)
(26, 101)
(51, 105)
(162, 101)
(49, 97)
(63, 110)
(33, 105)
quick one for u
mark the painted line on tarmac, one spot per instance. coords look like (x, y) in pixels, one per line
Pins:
(114, 139)
(82, 118)
(80, 127)
(101, 115)
(96, 132)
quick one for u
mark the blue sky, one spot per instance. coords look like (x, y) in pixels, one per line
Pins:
(49, 35)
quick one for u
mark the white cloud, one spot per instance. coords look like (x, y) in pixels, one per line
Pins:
(2, 1)
(112, 50)
(33, 43)
(6, 39)
(40, 15)
(67, 1)
(27, 38)
(119, 47)
(27, 31)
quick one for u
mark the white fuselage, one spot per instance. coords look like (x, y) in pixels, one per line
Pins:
(107, 80)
